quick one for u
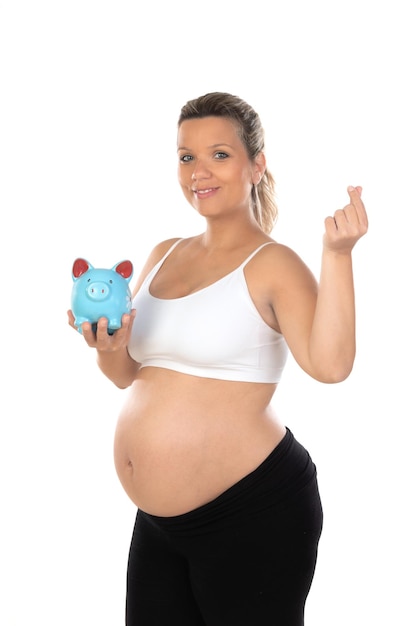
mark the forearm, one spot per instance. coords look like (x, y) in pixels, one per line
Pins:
(332, 339)
(118, 366)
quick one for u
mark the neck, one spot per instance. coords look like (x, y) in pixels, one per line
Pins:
(228, 236)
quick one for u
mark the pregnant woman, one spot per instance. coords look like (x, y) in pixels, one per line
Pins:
(228, 508)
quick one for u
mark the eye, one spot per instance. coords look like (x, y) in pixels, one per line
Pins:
(186, 158)
(221, 155)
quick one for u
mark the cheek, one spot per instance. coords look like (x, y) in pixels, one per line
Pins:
(185, 184)
(183, 178)
(246, 180)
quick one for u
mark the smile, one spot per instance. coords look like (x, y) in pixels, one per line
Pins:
(204, 192)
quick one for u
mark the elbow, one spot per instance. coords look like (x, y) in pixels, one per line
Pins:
(336, 373)
(335, 378)
(333, 369)
(122, 385)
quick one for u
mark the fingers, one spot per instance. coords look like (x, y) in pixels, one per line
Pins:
(87, 331)
(353, 214)
(102, 340)
(356, 208)
(71, 321)
(347, 225)
(98, 336)
(71, 318)
(352, 189)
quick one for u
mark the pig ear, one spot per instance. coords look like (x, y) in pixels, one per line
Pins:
(79, 267)
(125, 269)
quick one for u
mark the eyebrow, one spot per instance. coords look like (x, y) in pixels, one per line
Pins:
(215, 145)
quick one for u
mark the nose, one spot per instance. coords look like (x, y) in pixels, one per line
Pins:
(200, 171)
(98, 291)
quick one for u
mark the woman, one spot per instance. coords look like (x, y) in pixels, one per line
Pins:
(229, 513)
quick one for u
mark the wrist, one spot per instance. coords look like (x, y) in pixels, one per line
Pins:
(336, 253)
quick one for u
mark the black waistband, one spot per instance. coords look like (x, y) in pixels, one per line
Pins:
(286, 471)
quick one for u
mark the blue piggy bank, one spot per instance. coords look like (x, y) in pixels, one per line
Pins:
(101, 293)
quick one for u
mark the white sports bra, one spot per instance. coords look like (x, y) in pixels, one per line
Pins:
(215, 332)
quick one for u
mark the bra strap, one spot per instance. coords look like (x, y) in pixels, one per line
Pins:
(255, 252)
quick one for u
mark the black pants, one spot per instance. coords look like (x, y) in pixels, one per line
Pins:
(245, 559)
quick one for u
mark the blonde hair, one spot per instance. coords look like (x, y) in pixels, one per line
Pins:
(251, 133)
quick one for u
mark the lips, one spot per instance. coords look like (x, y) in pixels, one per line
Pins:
(204, 193)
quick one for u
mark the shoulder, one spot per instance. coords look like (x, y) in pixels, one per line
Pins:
(281, 285)
(160, 249)
(277, 267)
(277, 254)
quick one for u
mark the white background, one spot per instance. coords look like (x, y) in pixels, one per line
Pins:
(90, 95)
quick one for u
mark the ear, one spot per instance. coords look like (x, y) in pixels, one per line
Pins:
(79, 267)
(259, 167)
(125, 269)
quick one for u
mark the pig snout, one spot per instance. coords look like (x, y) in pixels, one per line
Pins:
(98, 291)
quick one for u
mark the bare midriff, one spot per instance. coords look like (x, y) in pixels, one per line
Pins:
(183, 440)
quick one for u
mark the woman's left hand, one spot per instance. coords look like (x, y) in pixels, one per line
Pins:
(348, 225)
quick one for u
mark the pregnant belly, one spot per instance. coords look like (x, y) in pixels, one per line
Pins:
(176, 452)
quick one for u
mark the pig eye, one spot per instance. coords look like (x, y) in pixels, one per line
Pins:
(110, 281)
(88, 280)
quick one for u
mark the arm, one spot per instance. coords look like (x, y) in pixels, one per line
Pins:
(318, 321)
(112, 356)
(332, 345)
(333, 336)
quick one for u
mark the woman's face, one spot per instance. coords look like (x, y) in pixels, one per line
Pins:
(214, 170)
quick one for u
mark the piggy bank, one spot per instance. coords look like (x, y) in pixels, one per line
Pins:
(101, 293)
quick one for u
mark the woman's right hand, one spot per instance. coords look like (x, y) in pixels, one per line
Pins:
(99, 338)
